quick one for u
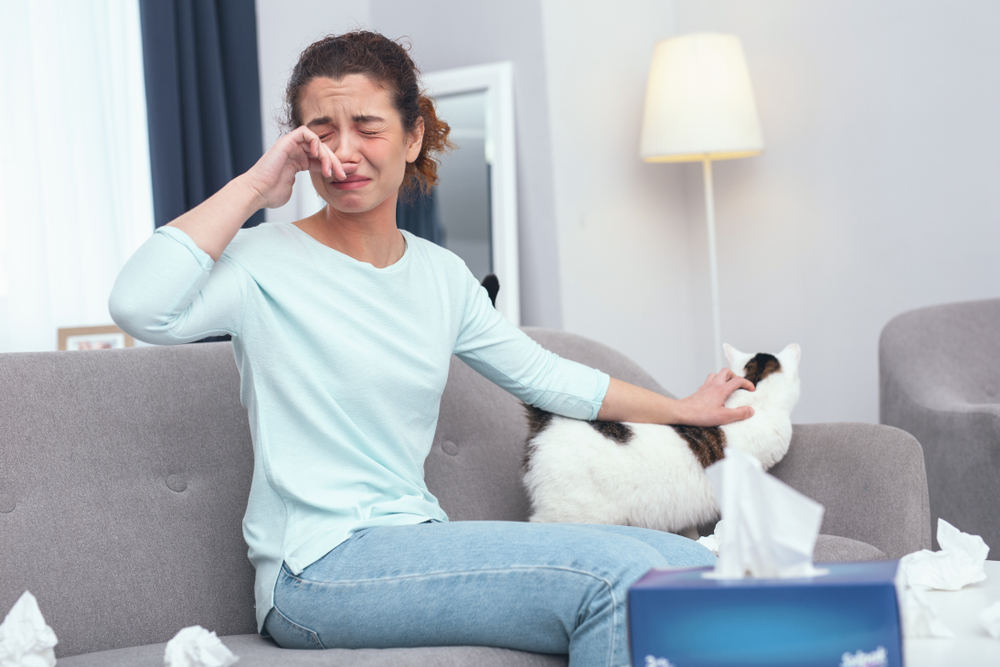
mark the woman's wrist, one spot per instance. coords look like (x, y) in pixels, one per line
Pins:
(213, 223)
(629, 403)
(252, 189)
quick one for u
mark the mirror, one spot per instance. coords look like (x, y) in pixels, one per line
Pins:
(476, 198)
(477, 194)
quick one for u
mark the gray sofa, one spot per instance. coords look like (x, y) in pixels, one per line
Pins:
(939, 377)
(124, 476)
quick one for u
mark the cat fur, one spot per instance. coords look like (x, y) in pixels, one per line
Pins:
(649, 475)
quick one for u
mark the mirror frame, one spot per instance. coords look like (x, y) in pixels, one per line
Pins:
(497, 81)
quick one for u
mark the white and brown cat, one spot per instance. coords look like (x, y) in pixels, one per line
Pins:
(652, 475)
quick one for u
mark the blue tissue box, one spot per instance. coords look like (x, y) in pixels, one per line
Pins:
(846, 618)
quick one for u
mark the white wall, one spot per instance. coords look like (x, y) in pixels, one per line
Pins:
(624, 234)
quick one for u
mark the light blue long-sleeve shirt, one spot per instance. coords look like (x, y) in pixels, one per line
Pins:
(342, 368)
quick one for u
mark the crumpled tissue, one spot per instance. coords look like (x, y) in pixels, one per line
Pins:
(711, 542)
(958, 564)
(197, 647)
(25, 639)
(990, 618)
(770, 528)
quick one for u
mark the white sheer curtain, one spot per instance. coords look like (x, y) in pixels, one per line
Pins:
(75, 193)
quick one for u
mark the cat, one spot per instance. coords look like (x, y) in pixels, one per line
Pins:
(651, 475)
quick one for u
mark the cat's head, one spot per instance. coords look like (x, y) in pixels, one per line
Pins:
(758, 368)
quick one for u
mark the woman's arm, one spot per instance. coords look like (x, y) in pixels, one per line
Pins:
(629, 403)
(174, 289)
(268, 184)
(503, 353)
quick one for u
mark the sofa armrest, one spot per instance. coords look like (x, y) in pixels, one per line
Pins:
(870, 478)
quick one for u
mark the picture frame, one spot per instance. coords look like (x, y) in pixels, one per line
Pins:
(107, 337)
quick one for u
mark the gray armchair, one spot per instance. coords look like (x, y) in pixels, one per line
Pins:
(124, 475)
(939, 379)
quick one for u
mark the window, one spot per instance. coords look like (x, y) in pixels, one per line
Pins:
(75, 194)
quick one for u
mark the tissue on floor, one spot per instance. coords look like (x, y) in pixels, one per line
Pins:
(197, 647)
(959, 563)
(917, 617)
(25, 638)
(771, 528)
(990, 618)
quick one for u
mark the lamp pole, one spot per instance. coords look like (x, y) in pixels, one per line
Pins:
(713, 265)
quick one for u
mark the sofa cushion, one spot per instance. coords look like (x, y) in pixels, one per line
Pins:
(834, 549)
(255, 650)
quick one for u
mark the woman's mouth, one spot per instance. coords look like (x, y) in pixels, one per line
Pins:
(353, 182)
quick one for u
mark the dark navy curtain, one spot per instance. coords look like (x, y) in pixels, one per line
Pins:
(421, 217)
(202, 99)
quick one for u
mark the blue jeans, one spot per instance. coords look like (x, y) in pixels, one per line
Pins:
(547, 588)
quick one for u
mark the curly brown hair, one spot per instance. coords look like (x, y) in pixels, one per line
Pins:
(387, 63)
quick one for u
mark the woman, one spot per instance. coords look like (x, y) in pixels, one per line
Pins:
(343, 328)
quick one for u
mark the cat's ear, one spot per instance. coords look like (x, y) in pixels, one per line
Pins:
(731, 354)
(794, 350)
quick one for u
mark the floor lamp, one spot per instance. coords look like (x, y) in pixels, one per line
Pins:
(699, 108)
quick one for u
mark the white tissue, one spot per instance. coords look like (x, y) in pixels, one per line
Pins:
(25, 639)
(197, 647)
(711, 542)
(771, 528)
(958, 564)
(990, 618)
(917, 616)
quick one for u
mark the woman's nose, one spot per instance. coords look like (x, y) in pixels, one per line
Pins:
(345, 148)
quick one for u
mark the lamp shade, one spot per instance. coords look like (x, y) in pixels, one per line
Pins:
(699, 101)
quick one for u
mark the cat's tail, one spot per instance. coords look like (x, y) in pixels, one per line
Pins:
(492, 285)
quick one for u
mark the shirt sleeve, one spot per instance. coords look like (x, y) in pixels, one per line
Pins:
(171, 291)
(504, 354)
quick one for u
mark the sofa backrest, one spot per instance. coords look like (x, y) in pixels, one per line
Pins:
(124, 476)
(941, 356)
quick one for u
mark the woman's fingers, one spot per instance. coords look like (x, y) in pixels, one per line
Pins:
(740, 383)
(334, 167)
(322, 157)
(738, 414)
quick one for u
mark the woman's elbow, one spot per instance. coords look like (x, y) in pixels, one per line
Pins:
(133, 315)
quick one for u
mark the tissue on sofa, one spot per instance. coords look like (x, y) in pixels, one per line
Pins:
(25, 638)
(197, 647)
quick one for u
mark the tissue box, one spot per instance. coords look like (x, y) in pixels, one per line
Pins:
(846, 618)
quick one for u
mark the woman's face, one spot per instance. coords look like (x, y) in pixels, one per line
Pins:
(355, 118)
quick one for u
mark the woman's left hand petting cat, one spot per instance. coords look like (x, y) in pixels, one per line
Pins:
(706, 407)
